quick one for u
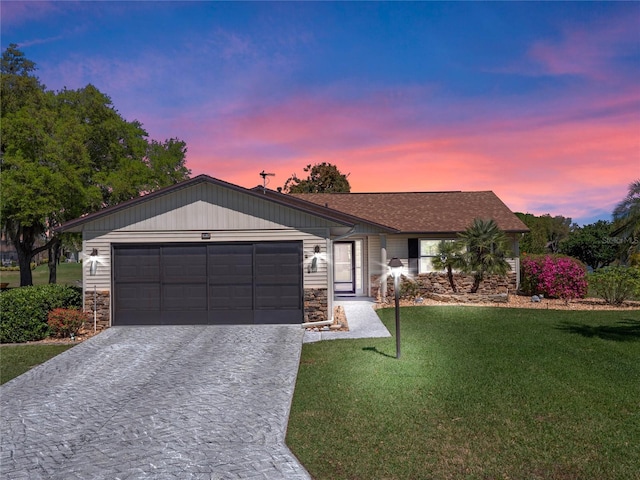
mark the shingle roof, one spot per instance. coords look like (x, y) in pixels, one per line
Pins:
(425, 212)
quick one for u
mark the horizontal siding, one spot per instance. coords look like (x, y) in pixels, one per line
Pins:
(397, 246)
(320, 278)
(102, 279)
(103, 241)
(207, 207)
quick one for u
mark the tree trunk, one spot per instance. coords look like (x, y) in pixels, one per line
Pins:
(24, 262)
(23, 239)
(476, 283)
(54, 258)
(451, 282)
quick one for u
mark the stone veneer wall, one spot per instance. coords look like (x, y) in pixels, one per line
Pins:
(438, 283)
(316, 304)
(103, 310)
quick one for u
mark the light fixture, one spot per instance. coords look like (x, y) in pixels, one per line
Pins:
(313, 267)
(93, 259)
(395, 266)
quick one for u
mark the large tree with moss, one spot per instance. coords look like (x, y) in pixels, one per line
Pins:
(67, 153)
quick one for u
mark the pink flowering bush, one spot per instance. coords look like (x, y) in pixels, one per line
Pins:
(553, 276)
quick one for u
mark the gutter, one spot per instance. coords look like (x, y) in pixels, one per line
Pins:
(348, 234)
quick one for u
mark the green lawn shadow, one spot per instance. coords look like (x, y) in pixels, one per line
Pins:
(627, 330)
(375, 350)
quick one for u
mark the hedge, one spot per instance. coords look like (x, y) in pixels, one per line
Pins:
(24, 310)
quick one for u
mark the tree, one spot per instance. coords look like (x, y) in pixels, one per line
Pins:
(626, 222)
(67, 153)
(449, 258)
(486, 251)
(591, 244)
(167, 162)
(323, 178)
(546, 233)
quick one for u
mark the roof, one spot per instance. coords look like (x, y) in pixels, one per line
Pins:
(421, 212)
(338, 217)
(302, 202)
(410, 212)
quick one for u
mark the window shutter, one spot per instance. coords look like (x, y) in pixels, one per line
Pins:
(413, 256)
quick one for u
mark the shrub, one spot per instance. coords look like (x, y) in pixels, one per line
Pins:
(24, 310)
(409, 289)
(616, 284)
(64, 322)
(554, 276)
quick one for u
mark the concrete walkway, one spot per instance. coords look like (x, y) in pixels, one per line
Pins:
(208, 402)
(362, 319)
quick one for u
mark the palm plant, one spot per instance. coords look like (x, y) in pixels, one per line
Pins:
(487, 249)
(626, 220)
(449, 258)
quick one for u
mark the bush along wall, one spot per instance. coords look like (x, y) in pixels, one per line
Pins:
(24, 311)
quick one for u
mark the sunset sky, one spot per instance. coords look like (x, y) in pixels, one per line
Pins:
(539, 102)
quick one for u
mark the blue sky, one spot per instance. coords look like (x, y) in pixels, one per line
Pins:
(539, 102)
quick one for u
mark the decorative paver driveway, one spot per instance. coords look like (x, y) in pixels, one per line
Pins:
(156, 402)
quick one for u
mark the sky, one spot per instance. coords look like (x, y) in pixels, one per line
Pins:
(538, 102)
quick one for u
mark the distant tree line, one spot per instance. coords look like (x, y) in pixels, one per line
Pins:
(598, 244)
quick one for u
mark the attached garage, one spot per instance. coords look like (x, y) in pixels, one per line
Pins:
(205, 251)
(217, 283)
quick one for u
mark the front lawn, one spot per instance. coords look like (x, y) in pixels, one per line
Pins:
(479, 393)
(17, 359)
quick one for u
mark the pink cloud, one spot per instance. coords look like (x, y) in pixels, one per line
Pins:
(563, 163)
(17, 13)
(587, 50)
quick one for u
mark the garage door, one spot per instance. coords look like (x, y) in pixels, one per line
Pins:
(185, 284)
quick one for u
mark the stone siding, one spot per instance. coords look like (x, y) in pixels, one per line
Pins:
(316, 304)
(429, 285)
(103, 308)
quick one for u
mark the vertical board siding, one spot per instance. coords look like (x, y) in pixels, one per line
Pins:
(205, 206)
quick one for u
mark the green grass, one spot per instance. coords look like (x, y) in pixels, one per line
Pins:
(67, 274)
(479, 393)
(17, 359)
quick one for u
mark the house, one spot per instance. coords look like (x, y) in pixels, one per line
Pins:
(205, 251)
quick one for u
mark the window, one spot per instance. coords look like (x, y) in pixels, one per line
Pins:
(428, 251)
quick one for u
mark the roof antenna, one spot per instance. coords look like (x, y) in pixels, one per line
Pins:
(264, 176)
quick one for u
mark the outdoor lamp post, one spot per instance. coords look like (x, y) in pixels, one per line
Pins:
(395, 266)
